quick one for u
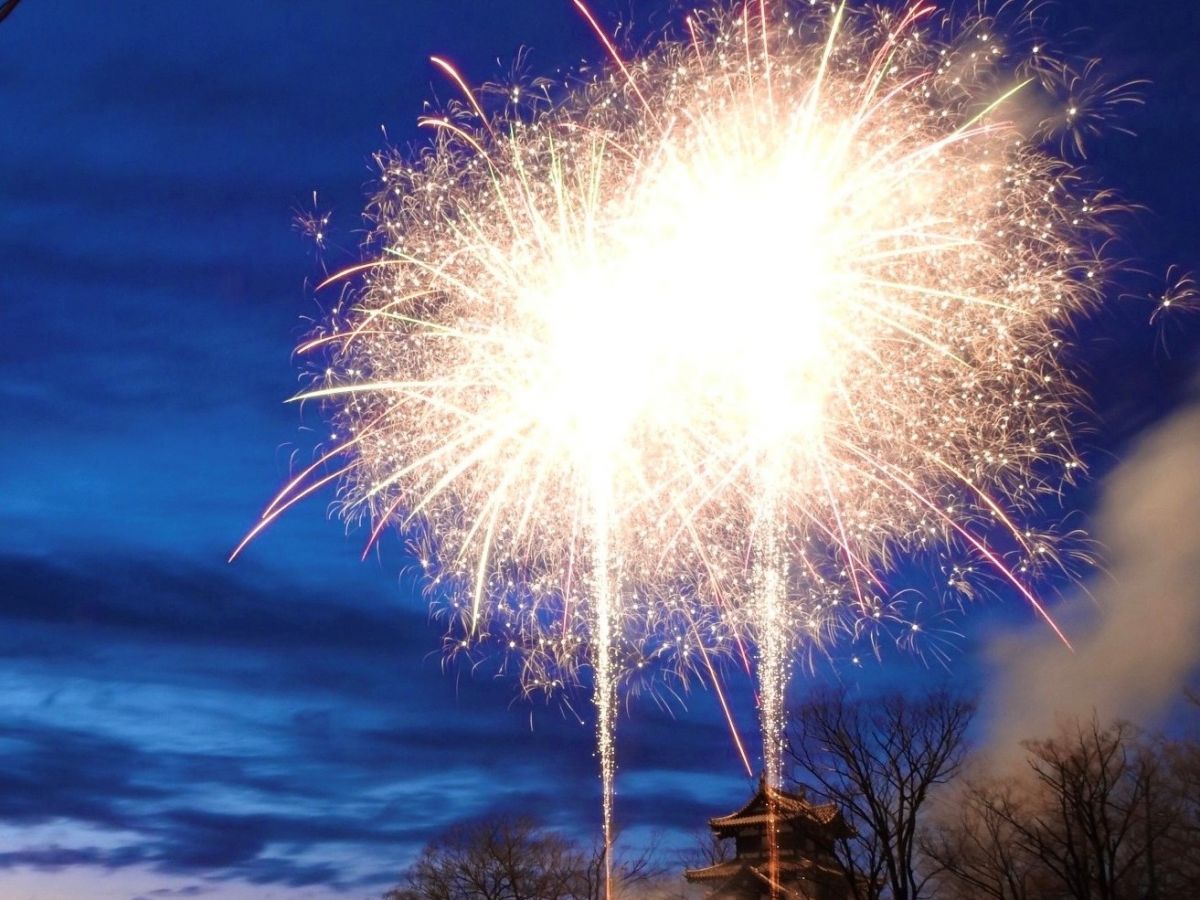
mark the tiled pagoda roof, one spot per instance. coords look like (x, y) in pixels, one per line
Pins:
(788, 807)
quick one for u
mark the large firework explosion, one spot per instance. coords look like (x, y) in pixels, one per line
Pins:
(671, 362)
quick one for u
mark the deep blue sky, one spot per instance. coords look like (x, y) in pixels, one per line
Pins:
(282, 727)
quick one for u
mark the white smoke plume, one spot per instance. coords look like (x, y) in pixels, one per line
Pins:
(1137, 637)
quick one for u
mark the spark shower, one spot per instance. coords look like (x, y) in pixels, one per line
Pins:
(666, 364)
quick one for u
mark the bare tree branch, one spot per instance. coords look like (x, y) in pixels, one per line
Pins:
(878, 761)
(7, 7)
(514, 858)
(1098, 818)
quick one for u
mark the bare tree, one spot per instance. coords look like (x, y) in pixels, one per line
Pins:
(706, 849)
(1183, 842)
(1184, 759)
(496, 859)
(639, 869)
(1095, 823)
(878, 760)
(977, 854)
(1096, 818)
(514, 858)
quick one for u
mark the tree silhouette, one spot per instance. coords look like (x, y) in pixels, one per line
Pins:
(878, 760)
(514, 858)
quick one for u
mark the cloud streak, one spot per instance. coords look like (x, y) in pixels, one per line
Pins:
(221, 724)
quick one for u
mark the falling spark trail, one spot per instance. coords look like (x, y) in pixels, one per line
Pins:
(605, 690)
(606, 585)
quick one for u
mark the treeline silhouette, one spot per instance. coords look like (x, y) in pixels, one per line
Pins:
(1096, 811)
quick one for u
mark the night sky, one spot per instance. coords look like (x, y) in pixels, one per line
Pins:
(171, 725)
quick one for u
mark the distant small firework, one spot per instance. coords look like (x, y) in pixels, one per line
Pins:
(673, 361)
(313, 223)
(1082, 105)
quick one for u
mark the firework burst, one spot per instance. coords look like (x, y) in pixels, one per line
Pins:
(669, 363)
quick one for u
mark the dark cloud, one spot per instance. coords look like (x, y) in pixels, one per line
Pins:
(230, 855)
(183, 602)
(199, 810)
(51, 773)
(224, 626)
(283, 871)
(326, 702)
(669, 810)
(53, 857)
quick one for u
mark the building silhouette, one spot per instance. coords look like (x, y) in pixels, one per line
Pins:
(803, 868)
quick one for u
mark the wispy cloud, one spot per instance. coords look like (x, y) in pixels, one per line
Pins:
(217, 718)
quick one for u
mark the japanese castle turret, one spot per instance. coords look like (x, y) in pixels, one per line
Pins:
(803, 868)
